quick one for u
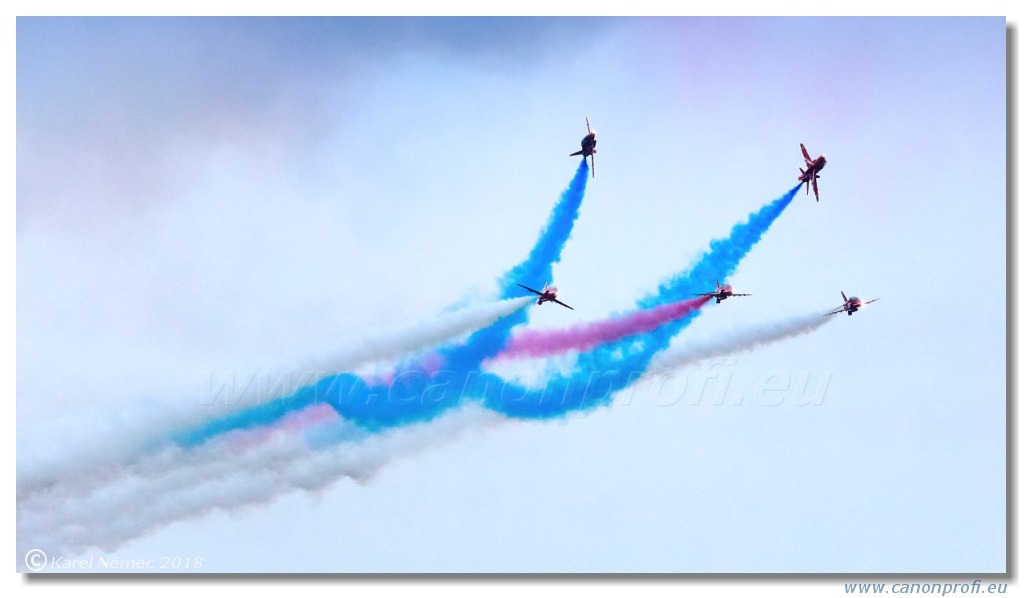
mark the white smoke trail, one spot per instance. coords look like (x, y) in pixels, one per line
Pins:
(735, 341)
(108, 505)
(68, 518)
(427, 335)
(95, 446)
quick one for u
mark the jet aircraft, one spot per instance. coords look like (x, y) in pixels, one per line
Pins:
(548, 294)
(588, 147)
(810, 176)
(722, 292)
(849, 305)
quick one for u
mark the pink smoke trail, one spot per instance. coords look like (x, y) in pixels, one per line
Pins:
(542, 343)
(291, 423)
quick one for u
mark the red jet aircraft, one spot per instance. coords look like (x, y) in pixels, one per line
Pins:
(588, 145)
(810, 176)
(548, 294)
(849, 305)
(722, 292)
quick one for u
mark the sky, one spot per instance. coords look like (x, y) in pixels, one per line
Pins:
(201, 200)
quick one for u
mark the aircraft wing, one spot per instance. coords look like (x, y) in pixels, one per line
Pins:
(804, 150)
(872, 301)
(814, 181)
(529, 289)
(741, 294)
(562, 304)
(704, 294)
(593, 171)
(836, 311)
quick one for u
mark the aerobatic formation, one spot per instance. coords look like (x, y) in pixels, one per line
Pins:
(307, 432)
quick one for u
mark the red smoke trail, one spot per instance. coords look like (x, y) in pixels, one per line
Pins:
(541, 343)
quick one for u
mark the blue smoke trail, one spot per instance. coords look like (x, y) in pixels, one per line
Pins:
(417, 395)
(410, 396)
(548, 250)
(538, 266)
(723, 255)
(598, 374)
(614, 366)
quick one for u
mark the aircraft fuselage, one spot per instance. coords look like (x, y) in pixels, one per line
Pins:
(810, 176)
(813, 168)
(548, 295)
(587, 146)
